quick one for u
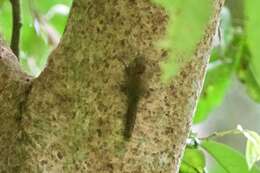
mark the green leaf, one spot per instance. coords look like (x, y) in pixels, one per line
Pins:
(216, 168)
(246, 75)
(216, 84)
(184, 31)
(1, 3)
(252, 25)
(6, 21)
(252, 146)
(223, 63)
(186, 168)
(255, 169)
(193, 161)
(252, 152)
(229, 159)
(222, 66)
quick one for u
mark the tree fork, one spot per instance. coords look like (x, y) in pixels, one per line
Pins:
(73, 117)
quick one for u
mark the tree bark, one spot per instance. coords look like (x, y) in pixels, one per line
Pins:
(72, 118)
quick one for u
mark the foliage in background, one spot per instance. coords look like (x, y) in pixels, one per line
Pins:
(183, 32)
(252, 24)
(227, 159)
(42, 24)
(252, 34)
(236, 56)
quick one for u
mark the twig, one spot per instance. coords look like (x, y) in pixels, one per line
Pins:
(16, 12)
(222, 133)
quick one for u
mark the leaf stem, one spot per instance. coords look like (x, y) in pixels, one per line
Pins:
(222, 133)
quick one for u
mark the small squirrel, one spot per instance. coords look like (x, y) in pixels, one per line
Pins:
(134, 89)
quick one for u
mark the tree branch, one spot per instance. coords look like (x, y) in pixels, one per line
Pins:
(14, 85)
(16, 12)
(77, 103)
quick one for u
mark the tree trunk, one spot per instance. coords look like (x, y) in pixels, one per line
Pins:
(99, 105)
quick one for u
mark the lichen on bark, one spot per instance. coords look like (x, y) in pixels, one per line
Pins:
(72, 117)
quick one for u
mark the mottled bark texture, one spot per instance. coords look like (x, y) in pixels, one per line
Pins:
(72, 117)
